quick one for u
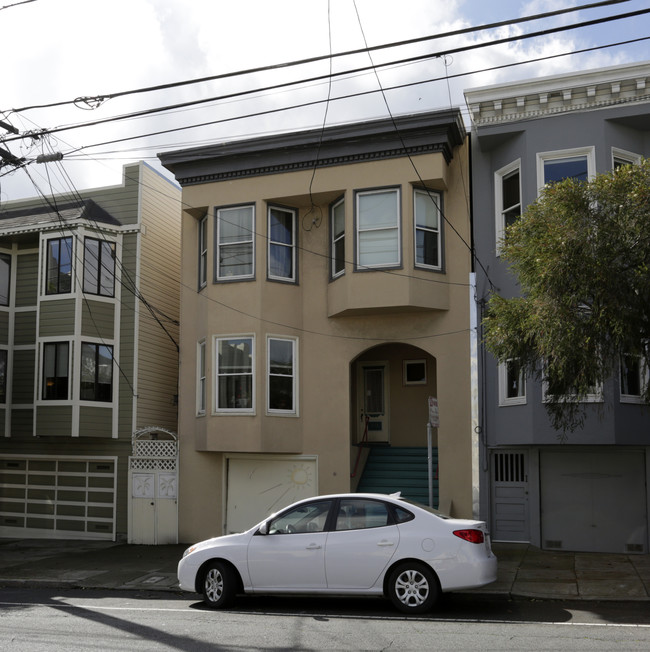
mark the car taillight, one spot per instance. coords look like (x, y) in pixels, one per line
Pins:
(473, 536)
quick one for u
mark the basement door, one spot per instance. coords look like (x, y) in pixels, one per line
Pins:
(510, 513)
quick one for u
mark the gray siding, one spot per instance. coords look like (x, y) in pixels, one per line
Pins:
(95, 422)
(25, 325)
(22, 424)
(56, 318)
(23, 377)
(26, 280)
(4, 327)
(98, 319)
(54, 420)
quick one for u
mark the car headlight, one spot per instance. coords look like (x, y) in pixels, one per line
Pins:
(188, 551)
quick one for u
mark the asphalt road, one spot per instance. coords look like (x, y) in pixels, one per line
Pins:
(54, 621)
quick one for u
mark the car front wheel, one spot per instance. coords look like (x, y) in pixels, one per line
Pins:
(412, 588)
(219, 585)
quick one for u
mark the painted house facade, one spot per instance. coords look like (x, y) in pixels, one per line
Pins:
(88, 362)
(589, 493)
(325, 297)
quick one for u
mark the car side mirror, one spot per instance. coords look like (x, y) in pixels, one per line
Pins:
(264, 528)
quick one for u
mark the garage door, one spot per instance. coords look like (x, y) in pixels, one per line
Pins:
(57, 497)
(259, 486)
(594, 501)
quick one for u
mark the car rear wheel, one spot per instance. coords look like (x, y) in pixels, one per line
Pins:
(219, 585)
(413, 588)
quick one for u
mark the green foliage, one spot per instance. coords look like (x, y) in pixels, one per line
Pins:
(581, 253)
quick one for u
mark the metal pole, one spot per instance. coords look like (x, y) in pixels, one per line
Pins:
(430, 462)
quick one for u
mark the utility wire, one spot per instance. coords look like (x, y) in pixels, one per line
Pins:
(432, 55)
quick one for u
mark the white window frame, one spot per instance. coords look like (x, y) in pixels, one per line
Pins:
(588, 152)
(499, 208)
(594, 397)
(203, 252)
(293, 410)
(644, 378)
(623, 155)
(291, 246)
(201, 379)
(504, 399)
(222, 210)
(217, 374)
(397, 228)
(334, 240)
(405, 368)
(436, 198)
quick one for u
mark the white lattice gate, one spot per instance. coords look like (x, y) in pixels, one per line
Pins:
(153, 483)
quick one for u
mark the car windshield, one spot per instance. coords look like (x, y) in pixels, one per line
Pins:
(426, 508)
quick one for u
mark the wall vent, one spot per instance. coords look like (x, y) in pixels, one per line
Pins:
(553, 543)
(634, 547)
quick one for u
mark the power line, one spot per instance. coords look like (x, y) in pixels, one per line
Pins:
(459, 32)
(431, 55)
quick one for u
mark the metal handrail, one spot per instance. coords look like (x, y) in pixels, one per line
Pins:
(364, 440)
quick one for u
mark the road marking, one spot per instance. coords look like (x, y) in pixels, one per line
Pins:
(97, 607)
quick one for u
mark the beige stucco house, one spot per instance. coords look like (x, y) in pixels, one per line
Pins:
(325, 296)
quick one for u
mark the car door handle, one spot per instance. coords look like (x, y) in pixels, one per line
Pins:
(386, 543)
(314, 546)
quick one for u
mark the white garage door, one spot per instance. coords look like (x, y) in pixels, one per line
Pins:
(594, 501)
(259, 486)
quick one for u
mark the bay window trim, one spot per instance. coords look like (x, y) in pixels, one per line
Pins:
(436, 198)
(292, 276)
(292, 410)
(218, 375)
(397, 228)
(499, 209)
(589, 152)
(219, 245)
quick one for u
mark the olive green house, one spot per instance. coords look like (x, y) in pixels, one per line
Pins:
(89, 300)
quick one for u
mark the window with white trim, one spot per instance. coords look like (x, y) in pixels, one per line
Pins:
(282, 375)
(578, 164)
(201, 387)
(5, 278)
(58, 276)
(234, 369)
(282, 244)
(235, 250)
(633, 378)
(426, 205)
(594, 395)
(620, 157)
(507, 197)
(337, 238)
(512, 383)
(378, 228)
(96, 372)
(99, 267)
(203, 252)
(55, 378)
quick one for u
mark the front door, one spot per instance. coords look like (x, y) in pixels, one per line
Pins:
(372, 384)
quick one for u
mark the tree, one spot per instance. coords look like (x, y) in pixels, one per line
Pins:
(581, 254)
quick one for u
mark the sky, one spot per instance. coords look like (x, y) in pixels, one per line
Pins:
(57, 51)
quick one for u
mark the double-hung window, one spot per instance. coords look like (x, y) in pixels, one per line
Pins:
(235, 243)
(235, 365)
(203, 252)
(281, 385)
(99, 267)
(578, 164)
(201, 395)
(507, 195)
(5, 278)
(427, 229)
(96, 372)
(337, 238)
(59, 266)
(56, 360)
(512, 383)
(633, 378)
(282, 244)
(378, 228)
(621, 157)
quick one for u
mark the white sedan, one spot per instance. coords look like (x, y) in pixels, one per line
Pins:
(345, 544)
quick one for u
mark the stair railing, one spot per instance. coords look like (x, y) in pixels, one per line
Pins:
(364, 440)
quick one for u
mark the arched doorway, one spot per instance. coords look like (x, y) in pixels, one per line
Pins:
(390, 387)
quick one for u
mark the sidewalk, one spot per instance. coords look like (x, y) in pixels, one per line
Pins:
(524, 571)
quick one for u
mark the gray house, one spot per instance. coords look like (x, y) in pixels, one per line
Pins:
(89, 294)
(589, 493)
